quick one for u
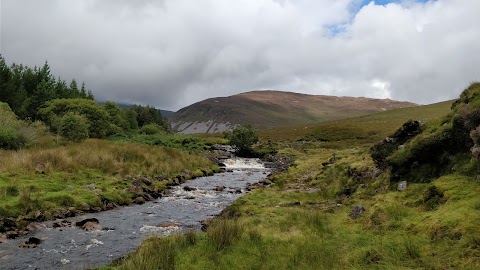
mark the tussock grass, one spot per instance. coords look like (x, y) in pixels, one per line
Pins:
(104, 156)
(223, 232)
(81, 175)
(155, 253)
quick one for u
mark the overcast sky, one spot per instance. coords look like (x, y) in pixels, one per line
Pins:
(172, 53)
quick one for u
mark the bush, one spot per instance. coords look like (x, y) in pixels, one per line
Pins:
(14, 133)
(243, 138)
(97, 116)
(151, 129)
(74, 127)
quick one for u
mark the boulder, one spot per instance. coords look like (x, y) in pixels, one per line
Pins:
(357, 211)
(62, 223)
(219, 188)
(167, 225)
(475, 152)
(12, 234)
(139, 200)
(189, 188)
(146, 181)
(39, 216)
(402, 185)
(35, 226)
(83, 222)
(205, 224)
(148, 197)
(32, 242)
(92, 226)
(7, 224)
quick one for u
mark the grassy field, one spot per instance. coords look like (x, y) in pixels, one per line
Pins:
(303, 221)
(358, 130)
(54, 176)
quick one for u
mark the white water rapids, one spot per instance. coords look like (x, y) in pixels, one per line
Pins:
(243, 163)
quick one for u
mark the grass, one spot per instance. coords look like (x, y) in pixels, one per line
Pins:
(191, 143)
(358, 130)
(84, 175)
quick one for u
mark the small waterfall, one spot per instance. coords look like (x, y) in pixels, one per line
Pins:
(243, 163)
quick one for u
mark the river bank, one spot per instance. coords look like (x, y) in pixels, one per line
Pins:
(122, 229)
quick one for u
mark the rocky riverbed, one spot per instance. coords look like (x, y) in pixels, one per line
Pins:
(98, 238)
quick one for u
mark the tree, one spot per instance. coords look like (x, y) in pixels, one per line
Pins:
(74, 127)
(118, 117)
(243, 138)
(27, 89)
(97, 116)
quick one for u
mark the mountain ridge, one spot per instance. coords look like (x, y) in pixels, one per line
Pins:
(273, 108)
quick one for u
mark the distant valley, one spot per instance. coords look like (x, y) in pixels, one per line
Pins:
(268, 109)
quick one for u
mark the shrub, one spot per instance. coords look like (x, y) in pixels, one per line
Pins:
(243, 138)
(74, 127)
(151, 129)
(97, 116)
(14, 133)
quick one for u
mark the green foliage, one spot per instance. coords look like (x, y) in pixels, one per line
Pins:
(150, 115)
(26, 89)
(121, 120)
(74, 127)
(151, 129)
(243, 138)
(14, 133)
(97, 117)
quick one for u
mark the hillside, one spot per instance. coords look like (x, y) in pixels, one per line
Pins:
(371, 192)
(268, 109)
(363, 129)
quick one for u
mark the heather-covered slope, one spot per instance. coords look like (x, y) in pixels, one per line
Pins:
(267, 109)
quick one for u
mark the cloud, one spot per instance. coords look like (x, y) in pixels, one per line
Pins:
(172, 53)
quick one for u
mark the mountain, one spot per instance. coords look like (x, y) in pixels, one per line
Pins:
(268, 109)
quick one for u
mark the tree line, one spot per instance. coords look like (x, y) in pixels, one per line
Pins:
(34, 94)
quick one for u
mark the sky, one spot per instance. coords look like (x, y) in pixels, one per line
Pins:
(172, 53)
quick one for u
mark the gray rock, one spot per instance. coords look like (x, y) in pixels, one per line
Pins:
(219, 188)
(139, 200)
(402, 185)
(357, 211)
(32, 242)
(189, 188)
(475, 152)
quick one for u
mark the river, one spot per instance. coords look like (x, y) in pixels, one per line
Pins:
(125, 228)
